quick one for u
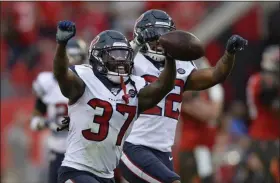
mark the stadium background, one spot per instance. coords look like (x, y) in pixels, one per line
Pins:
(27, 47)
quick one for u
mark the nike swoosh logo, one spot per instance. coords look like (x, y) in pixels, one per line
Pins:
(170, 158)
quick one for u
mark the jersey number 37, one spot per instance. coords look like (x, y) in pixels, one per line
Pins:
(103, 120)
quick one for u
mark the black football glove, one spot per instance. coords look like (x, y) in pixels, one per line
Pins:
(65, 31)
(147, 35)
(236, 43)
(65, 124)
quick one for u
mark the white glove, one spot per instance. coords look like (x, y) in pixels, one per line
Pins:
(37, 123)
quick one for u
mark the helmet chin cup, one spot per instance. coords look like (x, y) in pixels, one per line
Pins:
(156, 56)
(116, 78)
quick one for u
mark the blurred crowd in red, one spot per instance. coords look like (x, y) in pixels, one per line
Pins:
(28, 29)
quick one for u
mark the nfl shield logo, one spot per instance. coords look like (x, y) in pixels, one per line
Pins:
(181, 71)
(115, 91)
(132, 93)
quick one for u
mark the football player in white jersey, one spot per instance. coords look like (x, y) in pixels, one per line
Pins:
(104, 101)
(51, 107)
(147, 151)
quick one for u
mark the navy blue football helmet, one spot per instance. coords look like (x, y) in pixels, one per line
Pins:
(111, 54)
(162, 23)
(76, 50)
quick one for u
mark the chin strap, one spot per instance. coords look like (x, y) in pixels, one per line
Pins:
(126, 96)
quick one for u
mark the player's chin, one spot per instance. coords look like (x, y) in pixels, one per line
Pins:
(122, 72)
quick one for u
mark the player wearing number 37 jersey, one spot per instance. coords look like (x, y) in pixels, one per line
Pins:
(104, 101)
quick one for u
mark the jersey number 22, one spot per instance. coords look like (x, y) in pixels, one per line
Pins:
(169, 100)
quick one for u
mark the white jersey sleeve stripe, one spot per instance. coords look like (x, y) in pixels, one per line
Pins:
(137, 171)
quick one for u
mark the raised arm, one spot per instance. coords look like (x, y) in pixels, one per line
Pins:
(70, 84)
(152, 94)
(206, 78)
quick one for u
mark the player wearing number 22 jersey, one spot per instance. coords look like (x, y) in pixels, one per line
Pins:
(51, 106)
(104, 101)
(147, 151)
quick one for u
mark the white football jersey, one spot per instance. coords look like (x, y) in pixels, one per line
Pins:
(100, 121)
(155, 128)
(46, 88)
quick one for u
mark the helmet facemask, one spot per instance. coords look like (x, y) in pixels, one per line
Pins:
(118, 61)
(114, 62)
(154, 49)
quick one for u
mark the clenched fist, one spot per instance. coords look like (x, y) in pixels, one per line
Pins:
(65, 31)
(147, 35)
(236, 43)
